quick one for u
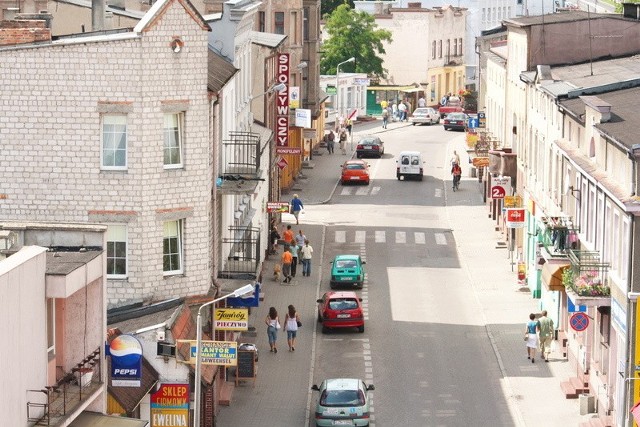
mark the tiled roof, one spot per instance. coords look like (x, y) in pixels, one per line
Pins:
(184, 328)
(220, 72)
(267, 39)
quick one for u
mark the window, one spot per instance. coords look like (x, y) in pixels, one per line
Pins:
(460, 46)
(305, 24)
(455, 47)
(293, 24)
(116, 251)
(261, 22)
(172, 248)
(51, 326)
(433, 50)
(439, 48)
(279, 19)
(173, 140)
(114, 142)
(448, 49)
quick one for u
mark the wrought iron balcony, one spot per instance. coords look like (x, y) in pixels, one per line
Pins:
(586, 281)
(241, 157)
(242, 245)
(51, 405)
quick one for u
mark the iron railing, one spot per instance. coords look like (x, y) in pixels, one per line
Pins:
(242, 246)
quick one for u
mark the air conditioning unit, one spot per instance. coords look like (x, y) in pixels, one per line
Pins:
(166, 349)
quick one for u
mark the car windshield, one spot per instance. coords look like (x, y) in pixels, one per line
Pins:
(355, 166)
(346, 263)
(342, 398)
(421, 112)
(343, 304)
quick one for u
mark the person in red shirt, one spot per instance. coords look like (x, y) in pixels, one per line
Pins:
(287, 258)
(288, 235)
(456, 171)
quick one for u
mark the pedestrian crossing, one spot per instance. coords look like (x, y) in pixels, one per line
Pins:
(359, 191)
(385, 236)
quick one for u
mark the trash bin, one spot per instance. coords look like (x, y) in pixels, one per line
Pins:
(587, 404)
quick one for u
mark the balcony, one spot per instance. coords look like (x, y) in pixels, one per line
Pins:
(51, 405)
(241, 156)
(586, 280)
(558, 236)
(242, 245)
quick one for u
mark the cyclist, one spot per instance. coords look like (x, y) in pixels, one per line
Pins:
(456, 171)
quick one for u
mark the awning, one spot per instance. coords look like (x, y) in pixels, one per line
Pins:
(552, 276)
(95, 419)
(398, 88)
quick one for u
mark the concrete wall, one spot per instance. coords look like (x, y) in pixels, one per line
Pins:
(53, 97)
(23, 356)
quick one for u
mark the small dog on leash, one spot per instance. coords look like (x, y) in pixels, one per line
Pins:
(277, 272)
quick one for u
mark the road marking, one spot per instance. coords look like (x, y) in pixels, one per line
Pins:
(419, 238)
(362, 191)
(438, 192)
(360, 236)
(440, 238)
(345, 191)
(381, 237)
(401, 237)
(341, 236)
(375, 190)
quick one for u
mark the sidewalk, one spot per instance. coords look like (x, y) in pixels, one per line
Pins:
(531, 389)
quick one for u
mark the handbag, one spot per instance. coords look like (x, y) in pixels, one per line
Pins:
(299, 324)
(526, 337)
(278, 325)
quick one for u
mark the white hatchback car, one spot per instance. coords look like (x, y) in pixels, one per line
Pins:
(425, 115)
(409, 165)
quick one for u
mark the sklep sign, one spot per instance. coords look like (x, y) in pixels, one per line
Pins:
(170, 406)
(126, 361)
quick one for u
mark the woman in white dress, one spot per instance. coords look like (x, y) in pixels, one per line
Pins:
(531, 337)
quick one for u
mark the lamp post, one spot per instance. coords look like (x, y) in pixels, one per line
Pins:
(338, 107)
(198, 380)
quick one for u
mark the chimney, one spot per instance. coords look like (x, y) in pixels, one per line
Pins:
(98, 8)
(23, 32)
(602, 109)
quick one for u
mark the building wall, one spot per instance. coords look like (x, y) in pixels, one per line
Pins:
(55, 95)
(23, 357)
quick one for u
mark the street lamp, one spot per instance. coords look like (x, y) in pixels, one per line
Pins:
(275, 88)
(338, 107)
(237, 293)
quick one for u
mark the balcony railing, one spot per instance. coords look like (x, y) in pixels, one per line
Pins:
(587, 276)
(243, 248)
(50, 405)
(559, 236)
(241, 155)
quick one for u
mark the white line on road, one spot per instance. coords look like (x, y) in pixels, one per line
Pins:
(375, 190)
(341, 236)
(362, 191)
(401, 237)
(345, 191)
(419, 237)
(360, 236)
(381, 237)
(438, 192)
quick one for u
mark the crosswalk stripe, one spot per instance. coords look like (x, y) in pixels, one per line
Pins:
(440, 238)
(381, 236)
(345, 191)
(438, 192)
(341, 236)
(419, 238)
(360, 236)
(362, 191)
(401, 237)
(375, 190)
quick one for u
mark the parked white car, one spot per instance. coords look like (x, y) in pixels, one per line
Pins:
(425, 115)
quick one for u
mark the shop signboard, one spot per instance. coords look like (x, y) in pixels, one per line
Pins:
(499, 186)
(170, 406)
(126, 361)
(282, 103)
(221, 353)
(278, 207)
(231, 319)
(515, 217)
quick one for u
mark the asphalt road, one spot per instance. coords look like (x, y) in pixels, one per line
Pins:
(424, 348)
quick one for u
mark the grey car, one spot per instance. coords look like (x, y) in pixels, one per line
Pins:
(425, 115)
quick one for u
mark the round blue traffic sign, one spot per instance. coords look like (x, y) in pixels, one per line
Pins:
(579, 321)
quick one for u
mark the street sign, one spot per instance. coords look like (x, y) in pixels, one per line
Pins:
(499, 186)
(282, 163)
(472, 123)
(579, 321)
(515, 217)
(482, 119)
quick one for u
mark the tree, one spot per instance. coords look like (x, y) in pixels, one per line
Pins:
(353, 34)
(329, 6)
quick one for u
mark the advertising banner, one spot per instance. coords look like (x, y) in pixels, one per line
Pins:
(221, 353)
(280, 207)
(303, 118)
(515, 217)
(294, 97)
(126, 361)
(282, 103)
(170, 406)
(231, 319)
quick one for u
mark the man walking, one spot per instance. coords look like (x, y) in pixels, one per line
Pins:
(306, 253)
(546, 335)
(287, 259)
(296, 207)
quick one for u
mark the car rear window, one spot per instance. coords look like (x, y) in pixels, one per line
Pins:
(342, 398)
(355, 167)
(343, 304)
(346, 264)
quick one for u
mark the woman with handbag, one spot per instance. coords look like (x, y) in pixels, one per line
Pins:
(273, 324)
(291, 324)
(531, 337)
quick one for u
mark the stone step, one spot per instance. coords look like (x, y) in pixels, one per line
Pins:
(568, 390)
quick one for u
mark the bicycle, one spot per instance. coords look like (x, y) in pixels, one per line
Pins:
(456, 182)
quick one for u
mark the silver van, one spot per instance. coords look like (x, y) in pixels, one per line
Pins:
(409, 165)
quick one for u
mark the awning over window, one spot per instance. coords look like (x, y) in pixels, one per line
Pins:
(552, 276)
(95, 419)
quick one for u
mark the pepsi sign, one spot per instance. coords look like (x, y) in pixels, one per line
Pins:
(126, 361)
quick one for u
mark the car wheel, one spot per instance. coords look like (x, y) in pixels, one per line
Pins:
(325, 330)
(420, 178)
(332, 285)
(361, 329)
(319, 318)
(413, 124)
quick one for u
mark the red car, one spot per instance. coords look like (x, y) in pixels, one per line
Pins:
(355, 171)
(340, 310)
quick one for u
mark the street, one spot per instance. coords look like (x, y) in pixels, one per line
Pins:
(436, 311)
